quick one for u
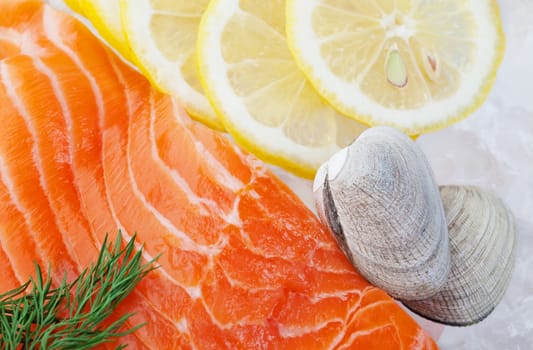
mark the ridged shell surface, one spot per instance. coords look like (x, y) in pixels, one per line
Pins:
(380, 199)
(483, 247)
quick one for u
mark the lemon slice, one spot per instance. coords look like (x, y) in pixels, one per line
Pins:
(415, 65)
(75, 5)
(264, 100)
(106, 18)
(162, 37)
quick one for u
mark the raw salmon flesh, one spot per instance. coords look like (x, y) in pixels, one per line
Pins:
(87, 147)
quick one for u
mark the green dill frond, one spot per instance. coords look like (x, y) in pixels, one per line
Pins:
(37, 316)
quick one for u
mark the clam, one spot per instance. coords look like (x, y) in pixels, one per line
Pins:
(483, 247)
(379, 198)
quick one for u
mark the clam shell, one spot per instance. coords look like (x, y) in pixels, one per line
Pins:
(483, 246)
(379, 198)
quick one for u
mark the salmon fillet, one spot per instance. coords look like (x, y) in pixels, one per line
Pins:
(89, 147)
(7, 275)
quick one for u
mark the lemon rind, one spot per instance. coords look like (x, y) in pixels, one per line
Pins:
(93, 11)
(477, 97)
(196, 104)
(300, 163)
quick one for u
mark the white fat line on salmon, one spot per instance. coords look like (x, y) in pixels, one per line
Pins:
(189, 244)
(28, 223)
(421, 340)
(223, 176)
(231, 218)
(339, 271)
(355, 313)
(196, 200)
(258, 167)
(338, 339)
(349, 343)
(234, 217)
(320, 267)
(266, 211)
(254, 194)
(60, 96)
(20, 280)
(260, 252)
(9, 185)
(217, 322)
(310, 216)
(352, 311)
(14, 37)
(25, 41)
(186, 242)
(50, 27)
(182, 325)
(201, 203)
(245, 286)
(61, 6)
(9, 85)
(246, 240)
(289, 259)
(54, 34)
(295, 228)
(350, 318)
(352, 315)
(301, 331)
(343, 295)
(193, 292)
(319, 244)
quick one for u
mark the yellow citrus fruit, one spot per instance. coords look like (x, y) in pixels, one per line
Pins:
(415, 65)
(264, 100)
(74, 5)
(106, 18)
(161, 35)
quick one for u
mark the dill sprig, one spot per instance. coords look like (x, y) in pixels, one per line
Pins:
(38, 316)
